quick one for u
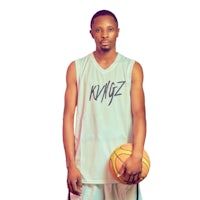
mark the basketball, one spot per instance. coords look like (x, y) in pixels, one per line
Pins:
(119, 156)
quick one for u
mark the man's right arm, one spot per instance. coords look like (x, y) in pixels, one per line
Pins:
(74, 175)
(68, 115)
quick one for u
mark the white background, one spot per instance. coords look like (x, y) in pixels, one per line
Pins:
(38, 40)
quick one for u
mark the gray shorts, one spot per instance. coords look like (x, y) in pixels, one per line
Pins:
(108, 192)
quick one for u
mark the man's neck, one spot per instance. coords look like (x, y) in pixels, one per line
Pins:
(105, 59)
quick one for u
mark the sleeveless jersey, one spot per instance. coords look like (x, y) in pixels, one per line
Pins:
(103, 115)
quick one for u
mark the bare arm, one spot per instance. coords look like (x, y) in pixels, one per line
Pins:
(131, 170)
(68, 115)
(74, 175)
(138, 111)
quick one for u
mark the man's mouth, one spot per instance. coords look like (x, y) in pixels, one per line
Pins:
(105, 42)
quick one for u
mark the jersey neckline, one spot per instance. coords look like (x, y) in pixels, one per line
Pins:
(112, 66)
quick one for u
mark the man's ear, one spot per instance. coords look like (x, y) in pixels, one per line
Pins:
(91, 33)
(118, 32)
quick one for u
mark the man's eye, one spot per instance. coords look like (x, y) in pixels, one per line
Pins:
(98, 30)
(110, 29)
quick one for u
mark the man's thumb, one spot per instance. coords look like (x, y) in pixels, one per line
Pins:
(121, 171)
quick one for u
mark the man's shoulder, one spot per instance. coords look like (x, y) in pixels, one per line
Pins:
(125, 57)
(87, 56)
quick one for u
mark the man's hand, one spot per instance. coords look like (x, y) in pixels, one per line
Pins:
(74, 181)
(131, 170)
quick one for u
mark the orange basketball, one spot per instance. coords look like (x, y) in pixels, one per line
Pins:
(119, 156)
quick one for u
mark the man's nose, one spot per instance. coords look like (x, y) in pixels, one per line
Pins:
(104, 34)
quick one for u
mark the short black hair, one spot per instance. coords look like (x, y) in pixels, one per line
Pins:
(102, 13)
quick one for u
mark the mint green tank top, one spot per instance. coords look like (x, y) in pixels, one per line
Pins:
(103, 116)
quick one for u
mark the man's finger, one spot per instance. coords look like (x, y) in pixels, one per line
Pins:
(121, 171)
(69, 186)
(75, 188)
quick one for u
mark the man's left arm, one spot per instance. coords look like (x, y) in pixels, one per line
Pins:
(132, 168)
(138, 111)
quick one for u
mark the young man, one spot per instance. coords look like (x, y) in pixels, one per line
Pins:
(105, 89)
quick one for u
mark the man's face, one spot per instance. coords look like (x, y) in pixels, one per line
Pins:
(105, 32)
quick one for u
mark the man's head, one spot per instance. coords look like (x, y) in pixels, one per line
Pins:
(104, 30)
(103, 13)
